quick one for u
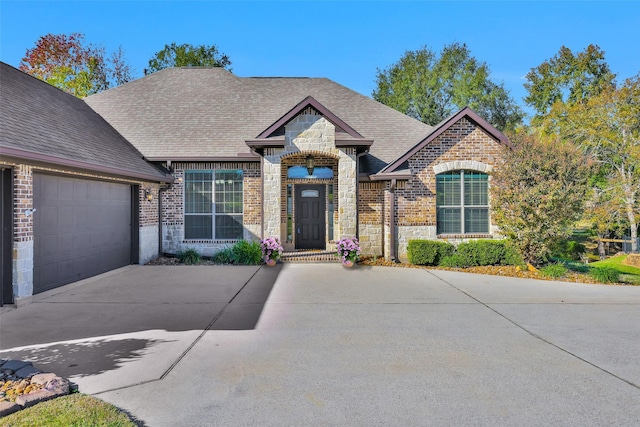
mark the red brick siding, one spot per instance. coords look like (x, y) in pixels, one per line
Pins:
(370, 202)
(416, 202)
(173, 197)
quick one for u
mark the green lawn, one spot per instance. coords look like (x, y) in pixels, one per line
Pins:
(628, 274)
(73, 410)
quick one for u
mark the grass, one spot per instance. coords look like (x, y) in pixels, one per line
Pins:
(74, 410)
(628, 274)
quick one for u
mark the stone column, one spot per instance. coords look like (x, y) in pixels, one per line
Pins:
(271, 194)
(347, 185)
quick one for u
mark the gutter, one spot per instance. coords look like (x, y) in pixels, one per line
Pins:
(161, 190)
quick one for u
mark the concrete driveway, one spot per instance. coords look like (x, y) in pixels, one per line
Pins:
(319, 344)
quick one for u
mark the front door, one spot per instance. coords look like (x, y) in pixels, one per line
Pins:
(310, 217)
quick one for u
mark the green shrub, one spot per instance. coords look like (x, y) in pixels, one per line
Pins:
(487, 252)
(225, 256)
(428, 252)
(452, 261)
(605, 274)
(555, 271)
(247, 252)
(189, 256)
(568, 250)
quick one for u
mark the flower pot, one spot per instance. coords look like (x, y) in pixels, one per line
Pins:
(348, 263)
(271, 262)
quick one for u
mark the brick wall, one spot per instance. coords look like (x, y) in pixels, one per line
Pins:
(463, 142)
(22, 202)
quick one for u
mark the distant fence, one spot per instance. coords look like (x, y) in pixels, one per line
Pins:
(626, 244)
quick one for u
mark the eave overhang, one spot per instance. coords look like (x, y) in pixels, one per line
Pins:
(17, 154)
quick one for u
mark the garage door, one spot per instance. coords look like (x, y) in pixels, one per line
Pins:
(81, 228)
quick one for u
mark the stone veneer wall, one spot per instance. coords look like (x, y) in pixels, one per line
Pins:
(173, 240)
(310, 133)
(23, 249)
(463, 146)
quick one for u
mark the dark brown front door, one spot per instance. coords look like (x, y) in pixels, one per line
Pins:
(310, 217)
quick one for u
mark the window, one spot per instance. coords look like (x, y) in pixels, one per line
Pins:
(300, 172)
(462, 200)
(213, 205)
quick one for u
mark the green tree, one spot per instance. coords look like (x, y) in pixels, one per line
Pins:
(73, 65)
(567, 79)
(430, 88)
(607, 127)
(538, 193)
(186, 55)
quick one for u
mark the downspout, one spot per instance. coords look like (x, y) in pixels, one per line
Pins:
(262, 196)
(392, 220)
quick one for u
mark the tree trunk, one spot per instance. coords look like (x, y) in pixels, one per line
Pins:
(602, 253)
(630, 205)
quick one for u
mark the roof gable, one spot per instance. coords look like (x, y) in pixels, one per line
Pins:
(311, 102)
(466, 112)
(345, 134)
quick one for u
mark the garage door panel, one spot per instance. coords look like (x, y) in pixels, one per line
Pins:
(81, 228)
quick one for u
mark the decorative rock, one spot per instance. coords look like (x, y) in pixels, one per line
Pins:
(58, 385)
(13, 365)
(7, 408)
(27, 371)
(31, 399)
(42, 379)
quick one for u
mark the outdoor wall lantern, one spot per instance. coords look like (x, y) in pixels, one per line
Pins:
(311, 164)
(148, 195)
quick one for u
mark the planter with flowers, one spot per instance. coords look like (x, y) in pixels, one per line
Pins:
(348, 251)
(271, 250)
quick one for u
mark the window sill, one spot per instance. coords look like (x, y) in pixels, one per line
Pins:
(464, 236)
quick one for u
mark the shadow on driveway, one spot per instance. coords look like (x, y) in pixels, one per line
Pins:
(143, 298)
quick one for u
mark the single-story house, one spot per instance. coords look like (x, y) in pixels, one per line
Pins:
(304, 159)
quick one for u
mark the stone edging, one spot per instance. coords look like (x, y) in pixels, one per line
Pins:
(23, 374)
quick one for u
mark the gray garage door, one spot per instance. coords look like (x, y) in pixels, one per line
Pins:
(81, 228)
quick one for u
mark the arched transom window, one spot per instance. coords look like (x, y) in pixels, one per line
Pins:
(462, 201)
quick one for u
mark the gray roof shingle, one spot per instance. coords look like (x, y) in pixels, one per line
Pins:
(38, 118)
(209, 113)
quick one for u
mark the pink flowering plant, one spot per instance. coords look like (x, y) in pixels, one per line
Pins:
(348, 249)
(271, 248)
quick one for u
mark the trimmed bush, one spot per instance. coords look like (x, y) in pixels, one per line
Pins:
(428, 252)
(487, 252)
(555, 271)
(189, 256)
(605, 274)
(452, 261)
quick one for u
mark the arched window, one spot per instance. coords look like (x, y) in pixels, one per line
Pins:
(462, 201)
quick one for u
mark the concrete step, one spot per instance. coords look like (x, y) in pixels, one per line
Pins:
(309, 256)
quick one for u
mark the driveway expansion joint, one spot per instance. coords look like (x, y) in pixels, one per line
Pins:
(536, 336)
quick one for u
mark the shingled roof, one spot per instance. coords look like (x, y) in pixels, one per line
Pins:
(41, 123)
(209, 113)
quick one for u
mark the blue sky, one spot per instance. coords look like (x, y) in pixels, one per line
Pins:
(344, 41)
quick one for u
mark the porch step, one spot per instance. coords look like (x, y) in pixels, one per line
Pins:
(309, 256)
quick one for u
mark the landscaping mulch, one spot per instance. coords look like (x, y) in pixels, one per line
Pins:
(494, 270)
